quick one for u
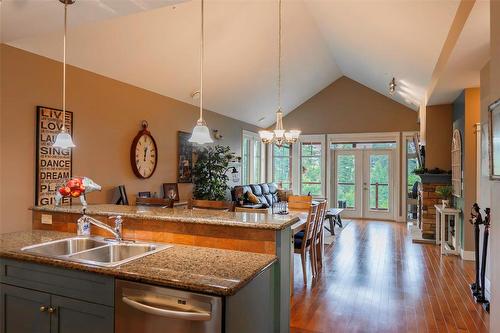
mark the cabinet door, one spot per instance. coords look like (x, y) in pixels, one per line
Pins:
(23, 310)
(73, 316)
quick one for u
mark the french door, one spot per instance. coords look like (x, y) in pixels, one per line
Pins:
(363, 183)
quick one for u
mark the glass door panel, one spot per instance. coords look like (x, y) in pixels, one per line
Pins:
(348, 182)
(377, 184)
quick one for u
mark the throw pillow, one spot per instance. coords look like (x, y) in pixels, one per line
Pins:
(252, 198)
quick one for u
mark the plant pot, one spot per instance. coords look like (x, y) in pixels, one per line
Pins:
(445, 203)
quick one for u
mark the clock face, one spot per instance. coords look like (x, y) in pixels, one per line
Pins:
(144, 155)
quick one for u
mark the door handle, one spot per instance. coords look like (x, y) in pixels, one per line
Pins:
(194, 316)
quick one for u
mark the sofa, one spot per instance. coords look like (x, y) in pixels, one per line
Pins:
(267, 193)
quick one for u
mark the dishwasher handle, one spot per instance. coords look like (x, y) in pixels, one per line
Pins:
(194, 316)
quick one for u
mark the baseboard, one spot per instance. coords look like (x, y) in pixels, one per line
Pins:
(467, 255)
(487, 289)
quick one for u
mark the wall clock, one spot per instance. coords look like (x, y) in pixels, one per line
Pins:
(143, 153)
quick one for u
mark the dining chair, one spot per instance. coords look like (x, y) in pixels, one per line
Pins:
(211, 204)
(303, 241)
(318, 238)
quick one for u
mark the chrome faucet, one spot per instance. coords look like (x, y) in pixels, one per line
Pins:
(85, 221)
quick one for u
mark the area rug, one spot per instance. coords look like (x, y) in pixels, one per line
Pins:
(329, 238)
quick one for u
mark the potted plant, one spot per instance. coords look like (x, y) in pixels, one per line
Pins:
(445, 192)
(209, 173)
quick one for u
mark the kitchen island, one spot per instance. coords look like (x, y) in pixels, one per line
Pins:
(249, 232)
(75, 290)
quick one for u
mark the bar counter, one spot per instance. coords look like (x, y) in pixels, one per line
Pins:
(201, 216)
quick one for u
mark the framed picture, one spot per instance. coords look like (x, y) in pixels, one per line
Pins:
(53, 165)
(171, 191)
(494, 140)
(186, 157)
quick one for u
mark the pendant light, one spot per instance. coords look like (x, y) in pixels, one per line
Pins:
(279, 136)
(63, 139)
(201, 133)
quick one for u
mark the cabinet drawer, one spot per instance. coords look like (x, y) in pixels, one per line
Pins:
(58, 281)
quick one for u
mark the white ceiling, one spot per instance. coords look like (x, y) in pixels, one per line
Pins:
(157, 47)
(469, 56)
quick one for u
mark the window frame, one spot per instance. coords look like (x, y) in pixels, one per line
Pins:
(290, 165)
(253, 138)
(308, 139)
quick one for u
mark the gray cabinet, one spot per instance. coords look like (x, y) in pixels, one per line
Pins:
(22, 310)
(74, 316)
(29, 311)
(42, 299)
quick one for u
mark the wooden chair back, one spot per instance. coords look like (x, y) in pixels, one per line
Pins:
(310, 224)
(320, 218)
(299, 198)
(211, 204)
(299, 205)
(251, 210)
(156, 202)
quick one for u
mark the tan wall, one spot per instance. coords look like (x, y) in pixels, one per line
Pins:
(107, 116)
(494, 191)
(347, 106)
(439, 130)
(472, 114)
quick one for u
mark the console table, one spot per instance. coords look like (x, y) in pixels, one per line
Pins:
(450, 240)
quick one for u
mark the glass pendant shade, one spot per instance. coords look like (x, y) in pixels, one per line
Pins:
(201, 134)
(63, 140)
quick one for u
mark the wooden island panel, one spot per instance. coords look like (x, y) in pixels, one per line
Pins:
(214, 236)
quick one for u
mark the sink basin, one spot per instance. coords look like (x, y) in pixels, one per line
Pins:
(94, 250)
(116, 254)
(64, 247)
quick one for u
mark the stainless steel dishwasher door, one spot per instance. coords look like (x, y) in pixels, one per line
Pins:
(142, 308)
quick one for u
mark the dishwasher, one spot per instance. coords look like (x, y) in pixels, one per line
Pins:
(143, 308)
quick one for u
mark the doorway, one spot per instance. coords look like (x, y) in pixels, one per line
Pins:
(363, 181)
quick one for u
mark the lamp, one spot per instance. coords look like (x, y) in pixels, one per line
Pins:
(63, 139)
(279, 136)
(392, 86)
(201, 133)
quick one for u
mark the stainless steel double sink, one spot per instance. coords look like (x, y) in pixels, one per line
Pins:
(95, 250)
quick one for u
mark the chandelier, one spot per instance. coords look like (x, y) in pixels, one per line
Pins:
(279, 136)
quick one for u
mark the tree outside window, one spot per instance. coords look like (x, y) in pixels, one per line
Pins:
(282, 166)
(311, 175)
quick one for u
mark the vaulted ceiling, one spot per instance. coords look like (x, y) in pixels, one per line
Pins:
(154, 44)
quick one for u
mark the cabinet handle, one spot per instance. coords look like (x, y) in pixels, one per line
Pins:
(51, 310)
(43, 308)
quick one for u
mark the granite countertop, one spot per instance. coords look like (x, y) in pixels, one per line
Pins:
(199, 269)
(203, 216)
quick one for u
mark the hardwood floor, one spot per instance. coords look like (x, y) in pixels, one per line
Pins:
(376, 280)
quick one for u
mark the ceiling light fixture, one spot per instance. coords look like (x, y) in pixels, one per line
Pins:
(63, 139)
(392, 86)
(201, 133)
(279, 136)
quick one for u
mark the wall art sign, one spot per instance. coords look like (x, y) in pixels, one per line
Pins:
(54, 166)
(186, 158)
(494, 139)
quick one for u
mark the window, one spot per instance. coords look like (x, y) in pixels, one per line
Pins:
(245, 160)
(257, 165)
(282, 166)
(456, 163)
(310, 169)
(411, 164)
(252, 159)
